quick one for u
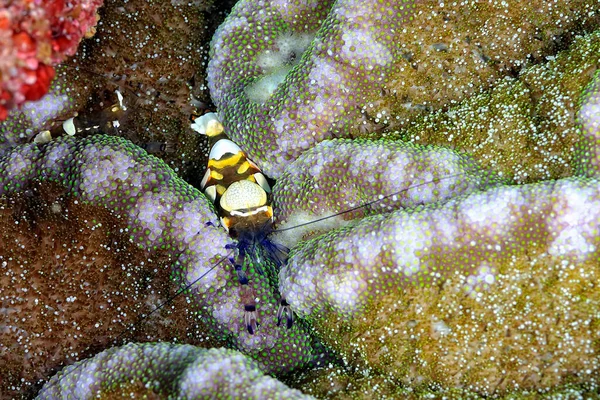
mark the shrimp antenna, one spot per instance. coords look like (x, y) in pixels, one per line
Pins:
(107, 79)
(367, 203)
(144, 317)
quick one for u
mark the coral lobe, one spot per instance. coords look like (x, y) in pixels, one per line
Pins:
(474, 289)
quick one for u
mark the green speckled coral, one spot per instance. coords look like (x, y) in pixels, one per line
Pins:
(589, 121)
(150, 60)
(339, 180)
(168, 371)
(492, 291)
(162, 215)
(369, 65)
(525, 127)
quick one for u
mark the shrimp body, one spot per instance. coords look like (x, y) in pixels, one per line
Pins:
(241, 195)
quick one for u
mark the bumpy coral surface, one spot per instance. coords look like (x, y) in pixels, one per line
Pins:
(165, 370)
(340, 180)
(589, 119)
(72, 284)
(35, 36)
(161, 213)
(148, 50)
(426, 320)
(337, 382)
(285, 76)
(525, 127)
(492, 291)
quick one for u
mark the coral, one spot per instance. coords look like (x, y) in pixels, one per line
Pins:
(335, 382)
(72, 284)
(589, 120)
(525, 127)
(35, 36)
(340, 175)
(162, 215)
(367, 67)
(168, 371)
(151, 51)
(442, 332)
(493, 291)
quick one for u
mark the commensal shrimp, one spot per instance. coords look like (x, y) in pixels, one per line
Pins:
(241, 195)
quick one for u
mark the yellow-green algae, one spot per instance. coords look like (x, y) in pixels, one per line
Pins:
(524, 128)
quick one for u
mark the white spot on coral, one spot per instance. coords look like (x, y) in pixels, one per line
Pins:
(577, 218)
(276, 64)
(482, 278)
(47, 108)
(324, 74)
(343, 290)
(360, 45)
(292, 45)
(262, 90)
(305, 225)
(441, 327)
(290, 9)
(410, 237)
(491, 208)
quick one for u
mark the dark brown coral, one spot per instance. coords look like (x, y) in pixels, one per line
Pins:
(71, 283)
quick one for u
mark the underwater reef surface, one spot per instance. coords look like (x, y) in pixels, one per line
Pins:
(34, 37)
(537, 107)
(343, 176)
(434, 300)
(168, 370)
(153, 53)
(154, 210)
(286, 75)
(493, 291)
